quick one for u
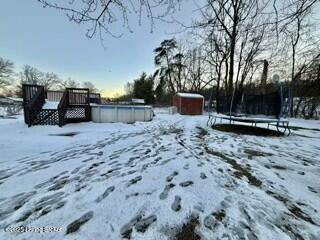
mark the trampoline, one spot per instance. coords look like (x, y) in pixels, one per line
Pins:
(262, 108)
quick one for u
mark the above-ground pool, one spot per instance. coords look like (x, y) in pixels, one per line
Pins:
(120, 113)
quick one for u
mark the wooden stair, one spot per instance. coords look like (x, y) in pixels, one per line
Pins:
(73, 107)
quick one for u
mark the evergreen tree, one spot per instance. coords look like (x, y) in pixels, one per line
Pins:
(143, 88)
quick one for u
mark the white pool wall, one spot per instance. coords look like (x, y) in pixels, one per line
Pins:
(121, 113)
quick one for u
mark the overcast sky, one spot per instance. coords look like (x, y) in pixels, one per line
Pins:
(45, 39)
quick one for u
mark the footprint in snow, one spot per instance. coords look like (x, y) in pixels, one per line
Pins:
(176, 205)
(141, 224)
(134, 180)
(105, 194)
(171, 176)
(203, 175)
(186, 183)
(164, 194)
(311, 189)
(75, 225)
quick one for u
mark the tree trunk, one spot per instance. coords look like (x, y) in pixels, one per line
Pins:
(218, 88)
(231, 66)
(292, 81)
(264, 76)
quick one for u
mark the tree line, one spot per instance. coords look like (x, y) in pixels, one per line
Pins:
(232, 45)
(11, 81)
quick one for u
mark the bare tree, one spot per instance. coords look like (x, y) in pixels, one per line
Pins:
(90, 86)
(128, 89)
(235, 32)
(217, 48)
(50, 81)
(179, 67)
(196, 70)
(6, 73)
(69, 83)
(101, 15)
(300, 38)
(32, 75)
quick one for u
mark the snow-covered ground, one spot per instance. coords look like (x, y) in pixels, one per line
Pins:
(146, 180)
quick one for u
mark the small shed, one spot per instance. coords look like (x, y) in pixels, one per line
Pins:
(188, 103)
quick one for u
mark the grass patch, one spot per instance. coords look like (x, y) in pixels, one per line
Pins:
(240, 171)
(201, 132)
(187, 230)
(170, 130)
(255, 153)
(295, 210)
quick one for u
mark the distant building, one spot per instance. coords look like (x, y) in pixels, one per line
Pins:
(188, 103)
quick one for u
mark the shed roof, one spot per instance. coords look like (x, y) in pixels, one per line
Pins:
(138, 100)
(189, 95)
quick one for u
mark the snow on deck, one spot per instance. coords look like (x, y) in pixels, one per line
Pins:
(50, 105)
(144, 180)
(189, 95)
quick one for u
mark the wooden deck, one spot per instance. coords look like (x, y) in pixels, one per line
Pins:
(74, 106)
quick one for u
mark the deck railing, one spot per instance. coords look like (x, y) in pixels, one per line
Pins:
(62, 108)
(78, 96)
(56, 96)
(33, 100)
(28, 91)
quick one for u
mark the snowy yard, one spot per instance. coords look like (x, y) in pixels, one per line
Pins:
(166, 179)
